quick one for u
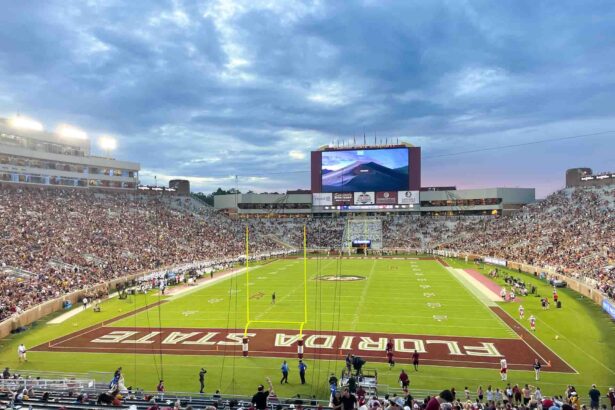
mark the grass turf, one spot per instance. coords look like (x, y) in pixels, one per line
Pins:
(390, 299)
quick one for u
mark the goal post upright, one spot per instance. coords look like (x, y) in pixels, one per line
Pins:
(245, 332)
(305, 309)
(305, 291)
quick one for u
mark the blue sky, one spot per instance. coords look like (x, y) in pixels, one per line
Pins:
(211, 89)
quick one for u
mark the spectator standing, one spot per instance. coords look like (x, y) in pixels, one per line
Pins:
(349, 401)
(611, 397)
(336, 401)
(594, 397)
(160, 389)
(352, 384)
(259, 400)
(333, 384)
(435, 402)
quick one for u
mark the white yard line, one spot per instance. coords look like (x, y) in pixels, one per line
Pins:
(360, 304)
(67, 315)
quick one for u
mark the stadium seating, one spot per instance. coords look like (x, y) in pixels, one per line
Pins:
(60, 240)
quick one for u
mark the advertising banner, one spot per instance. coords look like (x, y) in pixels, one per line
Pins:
(342, 198)
(386, 198)
(408, 197)
(495, 261)
(322, 199)
(364, 198)
(608, 308)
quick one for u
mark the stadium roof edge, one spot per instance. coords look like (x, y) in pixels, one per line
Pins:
(330, 147)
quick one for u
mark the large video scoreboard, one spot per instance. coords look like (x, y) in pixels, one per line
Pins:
(366, 178)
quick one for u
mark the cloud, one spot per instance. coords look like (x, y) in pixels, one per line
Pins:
(207, 90)
(296, 154)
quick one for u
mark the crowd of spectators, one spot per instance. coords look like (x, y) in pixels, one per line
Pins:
(17, 390)
(509, 397)
(55, 241)
(570, 231)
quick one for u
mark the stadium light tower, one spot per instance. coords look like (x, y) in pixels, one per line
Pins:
(107, 143)
(25, 123)
(68, 131)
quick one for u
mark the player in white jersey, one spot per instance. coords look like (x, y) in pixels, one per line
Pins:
(21, 353)
(533, 323)
(503, 369)
(521, 312)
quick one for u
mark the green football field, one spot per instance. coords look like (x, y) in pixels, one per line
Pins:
(387, 296)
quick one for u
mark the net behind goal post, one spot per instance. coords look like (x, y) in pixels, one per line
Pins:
(258, 313)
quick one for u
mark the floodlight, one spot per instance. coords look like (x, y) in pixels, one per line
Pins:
(107, 143)
(25, 123)
(68, 131)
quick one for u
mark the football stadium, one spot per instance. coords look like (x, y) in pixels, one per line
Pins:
(396, 290)
(307, 205)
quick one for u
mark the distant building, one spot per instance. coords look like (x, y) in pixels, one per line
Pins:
(39, 157)
(585, 177)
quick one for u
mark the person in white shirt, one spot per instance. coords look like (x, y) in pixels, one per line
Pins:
(21, 352)
(503, 369)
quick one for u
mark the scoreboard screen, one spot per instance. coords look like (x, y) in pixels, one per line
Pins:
(365, 170)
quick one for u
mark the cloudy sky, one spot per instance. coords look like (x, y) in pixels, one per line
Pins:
(211, 89)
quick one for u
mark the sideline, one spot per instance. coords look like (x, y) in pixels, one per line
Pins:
(173, 293)
(487, 296)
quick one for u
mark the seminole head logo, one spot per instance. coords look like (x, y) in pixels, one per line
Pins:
(340, 278)
(364, 198)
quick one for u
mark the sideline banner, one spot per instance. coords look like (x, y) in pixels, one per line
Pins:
(608, 308)
(408, 197)
(495, 261)
(322, 199)
(364, 198)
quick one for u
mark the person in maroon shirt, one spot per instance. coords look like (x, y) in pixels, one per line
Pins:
(611, 397)
(415, 360)
(445, 396)
(389, 347)
(390, 358)
(404, 379)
